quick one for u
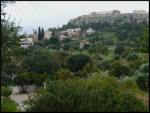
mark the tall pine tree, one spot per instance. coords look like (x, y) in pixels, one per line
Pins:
(42, 33)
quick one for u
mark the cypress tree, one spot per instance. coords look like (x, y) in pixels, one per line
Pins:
(42, 33)
(53, 32)
(39, 34)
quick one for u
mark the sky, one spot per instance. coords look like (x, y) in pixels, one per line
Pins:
(49, 14)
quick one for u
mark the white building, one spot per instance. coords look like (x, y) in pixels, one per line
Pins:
(25, 43)
(73, 30)
(89, 31)
(47, 34)
(62, 37)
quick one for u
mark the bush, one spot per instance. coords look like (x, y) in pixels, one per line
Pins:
(88, 69)
(118, 70)
(6, 91)
(97, 57)
(8, 105)
(135, 64)
(104, 65)
(132, 56)
(124, 54)
(38, 44)
(46, 42)
(116, 57)
(40, 61)
(77, 62)
(5, 79)
(119, 49)
(64, 74)
(66, 47)
(96, 94)
(54, 40)
(144, 68)
(142, 79)
(109, 42)
(61, 57)
(66, 40)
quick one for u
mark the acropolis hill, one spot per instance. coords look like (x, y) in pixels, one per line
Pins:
(110, 16)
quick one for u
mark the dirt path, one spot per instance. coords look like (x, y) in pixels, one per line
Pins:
(19, 98)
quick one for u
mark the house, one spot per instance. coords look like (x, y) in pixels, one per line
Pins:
(62, 37)
(90, 31)
(47, 34)
(25, 43)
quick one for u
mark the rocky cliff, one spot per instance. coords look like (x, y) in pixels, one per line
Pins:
(111, 17)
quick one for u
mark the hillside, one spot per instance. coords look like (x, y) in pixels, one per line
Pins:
(111, 16)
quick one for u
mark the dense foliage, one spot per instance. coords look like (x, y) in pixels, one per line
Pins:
(77, 62)
(8, 105)
(97, 94)
(39, 62)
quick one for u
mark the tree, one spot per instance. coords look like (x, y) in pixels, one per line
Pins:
(104, 65)
(22, 79)
(9, 37)
(61, 57)
(46, 42)
(132, 57)
(39, 34)
(95, 94)
(42, 33)
(53, 33)
(66, 40)
(5, 79)
(144, 42)
(66, 47)
(54, 40)
(119, 49)
(77, 62)
(118, 70)
(142, 77)
(40, 61)
(38, 44)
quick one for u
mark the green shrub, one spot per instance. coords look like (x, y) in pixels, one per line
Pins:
(116, 57)
(104, 65)
(118, 70)
(96, 94)
(132, 56)
(5, 79)
(8, 105)
(109, 42)
(142, 77)
(124, 54)
(6, 91)
(119, 49)
(144, 68)
(135, 64)
(66, 47)
(88, 69)
(77, 62)
(64, 74)
(97, 57)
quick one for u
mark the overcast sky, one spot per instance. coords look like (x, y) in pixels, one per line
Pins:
(48, 14)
